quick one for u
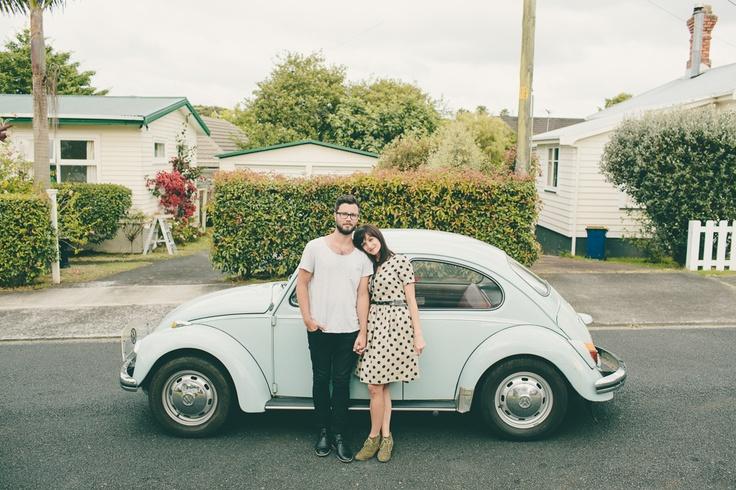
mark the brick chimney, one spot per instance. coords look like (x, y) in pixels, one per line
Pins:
(700, 25)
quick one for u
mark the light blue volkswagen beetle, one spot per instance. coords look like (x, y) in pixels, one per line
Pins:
(500, 341)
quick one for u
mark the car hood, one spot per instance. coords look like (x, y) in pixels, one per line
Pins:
(255, 298)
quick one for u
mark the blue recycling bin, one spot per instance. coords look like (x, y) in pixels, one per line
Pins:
(595, 245)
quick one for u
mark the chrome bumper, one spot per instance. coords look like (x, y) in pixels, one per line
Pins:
(613, 370)
(126, 370)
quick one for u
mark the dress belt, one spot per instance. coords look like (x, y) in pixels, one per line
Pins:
(393, 302)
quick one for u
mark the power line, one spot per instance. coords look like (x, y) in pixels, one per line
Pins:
(685, 20)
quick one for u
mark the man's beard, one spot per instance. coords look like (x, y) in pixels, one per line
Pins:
(347, 230)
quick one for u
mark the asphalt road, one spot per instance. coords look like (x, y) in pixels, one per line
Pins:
(66, 424)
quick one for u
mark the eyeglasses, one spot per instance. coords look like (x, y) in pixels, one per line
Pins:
(342, 215)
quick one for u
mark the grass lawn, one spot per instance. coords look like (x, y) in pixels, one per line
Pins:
(94, 266)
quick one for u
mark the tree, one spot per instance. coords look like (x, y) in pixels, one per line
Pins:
(41, 171)
(374, 114)
(407, 152)
(295, 102)
(491, 134)
(211, 110)
(456, 148)
(616, 99)
(678, 166)
(16, 72)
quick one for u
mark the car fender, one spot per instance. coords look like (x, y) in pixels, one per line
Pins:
(248, 378)
(532, 340)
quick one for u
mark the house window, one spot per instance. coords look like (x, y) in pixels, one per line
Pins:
(73, 161)
(159, 150)
(553, 163)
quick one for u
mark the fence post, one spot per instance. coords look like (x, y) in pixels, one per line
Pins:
(693, 245)
(721, 246)
(55, 271)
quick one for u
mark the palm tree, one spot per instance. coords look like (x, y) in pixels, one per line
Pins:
(38, 67)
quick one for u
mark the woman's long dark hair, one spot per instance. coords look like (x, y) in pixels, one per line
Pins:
(369, 230)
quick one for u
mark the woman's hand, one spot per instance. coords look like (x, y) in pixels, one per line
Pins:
(359, 345)
(419, 344)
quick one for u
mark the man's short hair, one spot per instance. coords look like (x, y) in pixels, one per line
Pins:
(346, 199)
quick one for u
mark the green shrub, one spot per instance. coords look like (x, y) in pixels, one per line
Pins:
(183, 232)
(91, 213)
(26, 238)
(15, 171)
(678, 166)
(261, 223)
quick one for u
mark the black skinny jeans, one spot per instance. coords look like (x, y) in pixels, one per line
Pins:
(333, 360)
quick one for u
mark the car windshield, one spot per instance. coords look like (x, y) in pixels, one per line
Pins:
(539, 284)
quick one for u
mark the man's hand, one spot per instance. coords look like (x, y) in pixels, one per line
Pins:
(359, 345)
(313, 326)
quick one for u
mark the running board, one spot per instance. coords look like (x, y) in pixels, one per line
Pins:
(294, 403)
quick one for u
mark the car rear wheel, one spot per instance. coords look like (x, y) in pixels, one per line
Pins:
(523, 398)
(190, 397)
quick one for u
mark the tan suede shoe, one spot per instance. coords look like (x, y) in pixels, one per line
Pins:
(387, 446)
(369, 449)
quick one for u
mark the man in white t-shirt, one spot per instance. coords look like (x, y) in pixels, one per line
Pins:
(332, 289)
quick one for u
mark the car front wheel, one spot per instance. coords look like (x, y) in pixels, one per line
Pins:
(190, 397)
(523, 399)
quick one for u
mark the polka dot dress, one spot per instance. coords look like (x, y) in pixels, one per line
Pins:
(389, 354)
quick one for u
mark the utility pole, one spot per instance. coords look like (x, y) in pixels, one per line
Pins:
(526, 72)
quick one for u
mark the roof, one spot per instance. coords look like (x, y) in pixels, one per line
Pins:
(99, 109)
(682, 92)
(222, 138)
(225, 134)
(297, 143)
(543, 124)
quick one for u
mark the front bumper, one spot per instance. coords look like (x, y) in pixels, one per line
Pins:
(613, 370)
(127, 382)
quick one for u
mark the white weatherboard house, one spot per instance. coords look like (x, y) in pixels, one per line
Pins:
(574, 193)
(300, 159)
(105, 139)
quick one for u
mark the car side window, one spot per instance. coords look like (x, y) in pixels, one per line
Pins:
(443, 285)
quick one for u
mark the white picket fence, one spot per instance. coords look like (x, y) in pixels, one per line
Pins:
(700, 252)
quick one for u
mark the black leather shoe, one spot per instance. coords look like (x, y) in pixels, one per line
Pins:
(322, 447)
(342, 449)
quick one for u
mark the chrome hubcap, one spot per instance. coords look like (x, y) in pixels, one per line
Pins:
(523, 400)
(189, 397)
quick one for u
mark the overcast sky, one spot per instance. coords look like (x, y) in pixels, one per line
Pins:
(464, 52)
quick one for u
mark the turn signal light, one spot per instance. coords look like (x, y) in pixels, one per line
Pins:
(592, 351)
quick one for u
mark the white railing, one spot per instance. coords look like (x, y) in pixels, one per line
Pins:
(699, 246)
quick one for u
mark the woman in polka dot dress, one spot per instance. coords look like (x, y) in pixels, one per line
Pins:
(393, 338)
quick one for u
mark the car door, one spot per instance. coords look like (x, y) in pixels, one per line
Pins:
(459, 308)
(292, 364)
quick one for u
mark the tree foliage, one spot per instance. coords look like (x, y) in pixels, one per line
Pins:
(374, 114)
(16, 76)
(294, 103)
(305, 98)
(616, 99)
(678, 166)
(473, 140)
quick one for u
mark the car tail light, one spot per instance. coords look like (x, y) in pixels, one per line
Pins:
(592, 351)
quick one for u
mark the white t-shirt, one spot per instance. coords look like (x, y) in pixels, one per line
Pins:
(333, 290)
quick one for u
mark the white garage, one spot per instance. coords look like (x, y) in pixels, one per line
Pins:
(300, 159)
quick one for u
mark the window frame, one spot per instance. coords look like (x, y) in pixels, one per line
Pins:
(158, 159)
(443, 260)
(552, 180)
(56, 161)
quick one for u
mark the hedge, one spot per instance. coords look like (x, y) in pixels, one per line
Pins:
(262, 223)
(678, 166)
(26, 238)
(91, 213)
